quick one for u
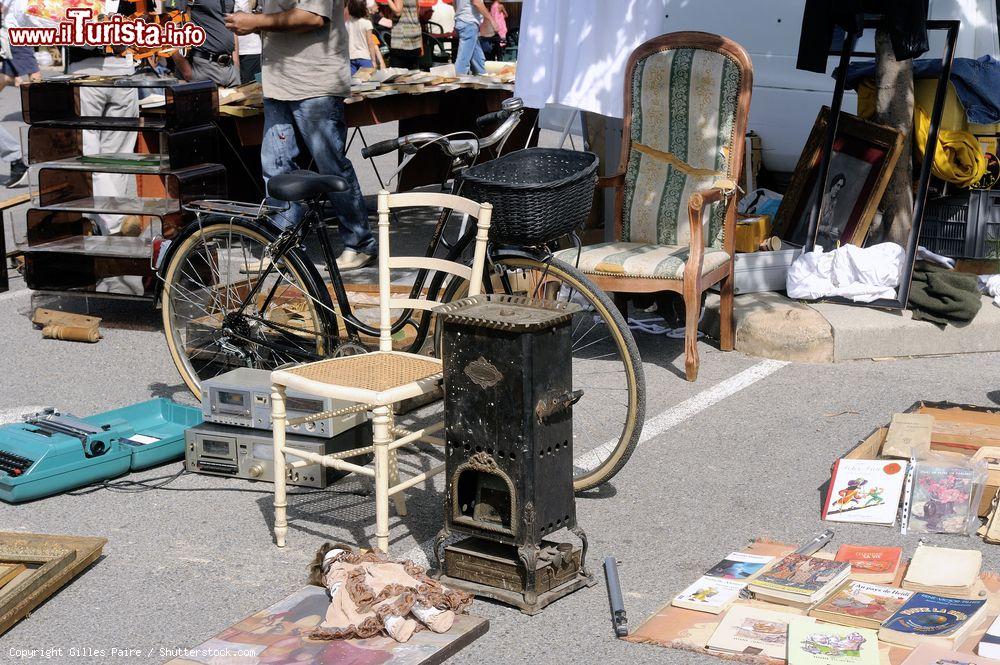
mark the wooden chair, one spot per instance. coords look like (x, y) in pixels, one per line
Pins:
(687, 96)
(378, 380)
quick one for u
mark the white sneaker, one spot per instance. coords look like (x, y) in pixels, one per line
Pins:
(351, 259)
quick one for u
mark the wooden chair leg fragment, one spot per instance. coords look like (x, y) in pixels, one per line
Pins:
(381, 438)
(279, 418)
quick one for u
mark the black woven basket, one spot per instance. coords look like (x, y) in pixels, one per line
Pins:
(538, 194)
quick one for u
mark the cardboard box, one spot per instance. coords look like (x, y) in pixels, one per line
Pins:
(957, 428)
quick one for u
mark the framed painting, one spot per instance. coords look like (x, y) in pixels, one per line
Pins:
(864, 156)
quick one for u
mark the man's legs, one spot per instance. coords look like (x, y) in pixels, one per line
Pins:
(278, 152)
(321, 123)
(10, 151)
(468, 42)
(478, 64)
(10, 147)
(249, 67)
(205, 70)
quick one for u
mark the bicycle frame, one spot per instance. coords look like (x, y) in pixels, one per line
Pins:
(312, 222)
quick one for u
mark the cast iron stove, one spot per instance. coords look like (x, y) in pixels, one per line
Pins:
(509, 453)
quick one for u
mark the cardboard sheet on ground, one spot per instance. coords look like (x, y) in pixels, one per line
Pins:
(280, 634)
(688, 630)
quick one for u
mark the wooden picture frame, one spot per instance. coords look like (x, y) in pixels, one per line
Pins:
(58, 559)
(864, 157)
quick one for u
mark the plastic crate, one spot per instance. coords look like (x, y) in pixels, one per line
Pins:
(965, 225)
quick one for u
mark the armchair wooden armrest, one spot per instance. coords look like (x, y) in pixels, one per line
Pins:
(697, 204)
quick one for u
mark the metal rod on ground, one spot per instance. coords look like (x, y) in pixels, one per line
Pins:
(619, 621)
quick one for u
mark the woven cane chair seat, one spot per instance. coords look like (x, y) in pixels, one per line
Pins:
(376, 371)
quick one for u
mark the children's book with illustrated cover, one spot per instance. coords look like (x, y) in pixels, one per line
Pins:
(819, 644)
(802, 575)
(753, 631)
(932, 619)
(865, 491)
(861, 604)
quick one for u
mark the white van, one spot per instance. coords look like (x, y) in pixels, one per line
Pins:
(786, 100)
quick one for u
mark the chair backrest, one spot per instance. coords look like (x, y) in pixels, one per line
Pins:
(481, 212)
(687, 96)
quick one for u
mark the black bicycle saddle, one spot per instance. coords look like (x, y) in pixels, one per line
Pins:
(301, 185)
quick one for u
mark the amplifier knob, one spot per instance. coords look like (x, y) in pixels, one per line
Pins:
(256, 471)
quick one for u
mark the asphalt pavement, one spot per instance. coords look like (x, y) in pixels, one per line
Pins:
(738, 455)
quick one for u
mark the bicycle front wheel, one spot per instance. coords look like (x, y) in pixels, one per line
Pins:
(608, 418)
(227, 304)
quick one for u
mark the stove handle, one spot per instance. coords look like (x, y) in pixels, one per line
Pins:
(546, 408)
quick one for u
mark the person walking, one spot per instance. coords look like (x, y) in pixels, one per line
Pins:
(213, 60)
(305, 77)
(364, 53)
(469, 14)
(248, 47)
(406, 41)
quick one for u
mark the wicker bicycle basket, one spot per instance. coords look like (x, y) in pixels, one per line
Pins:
(538, 194)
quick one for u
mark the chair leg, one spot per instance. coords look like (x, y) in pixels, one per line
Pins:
(621, 302)
(381, 439)
(280, 500)
(399, 498)
(692, 310)
(727, 321)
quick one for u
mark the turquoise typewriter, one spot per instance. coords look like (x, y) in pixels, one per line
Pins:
(52, 452)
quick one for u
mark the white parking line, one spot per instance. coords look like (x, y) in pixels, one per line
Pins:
(689, 407)
(655, 426)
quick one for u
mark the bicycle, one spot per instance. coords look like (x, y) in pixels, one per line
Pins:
(237, 291)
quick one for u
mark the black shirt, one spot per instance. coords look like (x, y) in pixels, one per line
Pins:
(210, 15)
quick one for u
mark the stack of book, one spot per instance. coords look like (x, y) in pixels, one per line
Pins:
(799, 581)
(944, 571)
(714, 591)
(861, 604)
(878, 565)
(929, 619)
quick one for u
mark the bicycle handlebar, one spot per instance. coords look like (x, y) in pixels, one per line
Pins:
(508, 116)
(381, 148)
(484, 121)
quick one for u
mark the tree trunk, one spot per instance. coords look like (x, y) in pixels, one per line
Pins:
(894, 108)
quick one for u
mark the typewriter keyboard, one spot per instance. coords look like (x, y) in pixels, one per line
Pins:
(14, 465)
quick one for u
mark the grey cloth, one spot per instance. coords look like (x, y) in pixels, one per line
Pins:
(210, 15)
(205, 70)
(303, 65)
(10, 147)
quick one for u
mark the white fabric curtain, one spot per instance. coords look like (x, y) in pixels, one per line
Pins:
(573, 52)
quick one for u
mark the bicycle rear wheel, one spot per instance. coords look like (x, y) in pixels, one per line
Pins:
(206, 282)
(608, 418)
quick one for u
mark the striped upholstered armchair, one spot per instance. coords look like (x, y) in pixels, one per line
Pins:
(687, 96)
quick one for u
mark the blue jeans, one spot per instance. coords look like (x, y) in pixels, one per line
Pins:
(359, 63)
(470, 53)
(320, 124)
